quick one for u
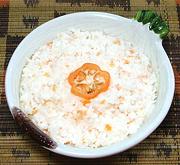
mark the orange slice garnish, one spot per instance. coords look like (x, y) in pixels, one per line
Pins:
(89, 81)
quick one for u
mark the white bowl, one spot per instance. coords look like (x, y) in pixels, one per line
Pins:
(129, 29)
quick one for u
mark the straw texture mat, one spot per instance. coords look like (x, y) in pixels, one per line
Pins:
(19, 17)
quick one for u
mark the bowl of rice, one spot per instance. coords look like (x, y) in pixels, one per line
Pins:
(90, 88)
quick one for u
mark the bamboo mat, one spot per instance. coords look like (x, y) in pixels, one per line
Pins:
(19, 17)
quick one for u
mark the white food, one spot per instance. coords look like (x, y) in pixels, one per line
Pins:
(45, 94)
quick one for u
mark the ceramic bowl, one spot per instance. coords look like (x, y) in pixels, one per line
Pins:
(114, 25)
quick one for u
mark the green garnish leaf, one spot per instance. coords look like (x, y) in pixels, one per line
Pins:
(164, 33)
(139, 15)
(149, 16)
(158, 29)
(155, 22)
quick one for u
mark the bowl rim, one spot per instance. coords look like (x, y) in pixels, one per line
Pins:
(109, 151)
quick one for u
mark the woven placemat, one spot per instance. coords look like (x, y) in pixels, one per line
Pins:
(19, 17)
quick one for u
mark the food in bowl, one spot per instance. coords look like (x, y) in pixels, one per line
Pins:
(88, 89)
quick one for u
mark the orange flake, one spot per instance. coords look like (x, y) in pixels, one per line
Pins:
(119, 87)
(98, 53)
(85, 102)
(121, 99)
(34, 111)
(108, 127)
(90, 130)
(117, 42)
(131, 121)
(80, 115)
(49, 44)
(68, 142)
(47, 62)
(132, 51)
(54, 87)
(102, 101)
(99, 113)
(126, 61)
(46, 102)
(46, 74)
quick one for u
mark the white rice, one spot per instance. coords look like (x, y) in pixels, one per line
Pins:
(45, 94)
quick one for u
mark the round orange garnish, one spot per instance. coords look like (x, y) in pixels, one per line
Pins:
(88, 81)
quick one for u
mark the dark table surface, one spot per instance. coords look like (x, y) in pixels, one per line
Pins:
(19, 17)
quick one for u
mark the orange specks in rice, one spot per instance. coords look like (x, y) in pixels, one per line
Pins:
(46, 62)
(49, 44)
(118, 87)
(103, 101)
(46, 102)
(121, 99)
(85, 102)
(67, 142)
(90, 130)
(54, 87)
(99, 113)
(108, 127)
(117, 42)
(126, 61)
(98, 53)
(132, 51)
(34, 111)
(130, 122)
(80, 110)
(46, 74)
(80, 114)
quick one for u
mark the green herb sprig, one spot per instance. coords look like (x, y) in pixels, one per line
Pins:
(156, 23)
